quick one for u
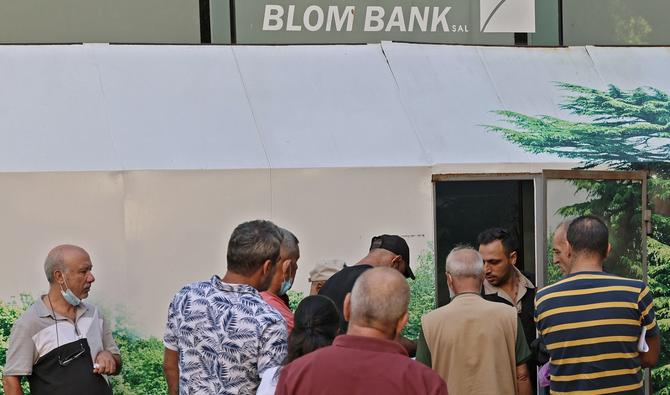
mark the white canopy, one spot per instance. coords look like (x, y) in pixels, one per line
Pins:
(126, 107)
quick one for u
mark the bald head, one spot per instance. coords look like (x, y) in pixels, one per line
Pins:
(379, 298)
(465, 270)
(58, 256)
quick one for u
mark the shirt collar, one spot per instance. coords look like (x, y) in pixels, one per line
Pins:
(236, 288)
(524, 283)
(369, 344)
(45, 311)
(466, 295)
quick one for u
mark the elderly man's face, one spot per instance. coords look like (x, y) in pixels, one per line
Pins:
(560, 249)
(498, 266)
(78, 273)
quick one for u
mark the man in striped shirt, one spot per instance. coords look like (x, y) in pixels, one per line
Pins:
(591, 322)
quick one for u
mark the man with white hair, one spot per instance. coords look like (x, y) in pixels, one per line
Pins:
(476, 346)
(366, 360)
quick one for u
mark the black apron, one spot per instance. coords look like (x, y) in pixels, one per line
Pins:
(72, 375)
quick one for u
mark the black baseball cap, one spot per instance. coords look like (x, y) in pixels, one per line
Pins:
(396, 245)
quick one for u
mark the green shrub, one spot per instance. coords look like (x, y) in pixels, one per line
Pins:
(422, 291)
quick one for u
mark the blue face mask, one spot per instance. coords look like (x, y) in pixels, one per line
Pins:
(286, 285)
(69, 296)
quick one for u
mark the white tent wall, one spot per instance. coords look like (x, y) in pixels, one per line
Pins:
(151, 232)
(148, 156)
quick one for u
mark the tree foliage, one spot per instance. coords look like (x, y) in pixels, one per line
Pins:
(623, 130)
(626, 130)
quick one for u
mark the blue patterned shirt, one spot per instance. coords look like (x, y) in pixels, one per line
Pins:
(226, 336)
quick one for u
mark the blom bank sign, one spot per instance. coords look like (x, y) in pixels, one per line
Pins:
(312, 21)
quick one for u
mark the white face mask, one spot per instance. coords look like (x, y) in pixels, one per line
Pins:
(69, 297)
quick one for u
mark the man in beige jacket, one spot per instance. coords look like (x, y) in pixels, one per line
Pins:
(476, 346)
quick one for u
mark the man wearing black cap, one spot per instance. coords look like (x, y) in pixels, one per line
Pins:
(385, 250)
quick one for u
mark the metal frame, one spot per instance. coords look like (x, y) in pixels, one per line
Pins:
(539, 203)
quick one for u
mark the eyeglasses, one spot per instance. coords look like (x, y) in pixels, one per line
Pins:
(71, 357)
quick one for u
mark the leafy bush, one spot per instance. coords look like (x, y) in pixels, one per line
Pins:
(9, 313)
(294, 298)
(142, 372)
(422, 291)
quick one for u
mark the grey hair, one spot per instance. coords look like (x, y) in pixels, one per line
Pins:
(53, 263)
(251, 244)
(464, 261)
(289, 243)
(380, 296)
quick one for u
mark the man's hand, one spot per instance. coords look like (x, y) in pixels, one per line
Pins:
(105, 363)
(522, 380)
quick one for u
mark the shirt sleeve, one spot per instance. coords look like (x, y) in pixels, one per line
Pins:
(273, 347)
(21, 351)
(521, 348)
(645, 305)
(422, 350)
(170, 339)
(108, 343)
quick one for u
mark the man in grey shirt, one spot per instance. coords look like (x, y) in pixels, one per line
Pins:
(62, 344)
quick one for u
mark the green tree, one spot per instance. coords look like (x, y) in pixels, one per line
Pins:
(626, 130)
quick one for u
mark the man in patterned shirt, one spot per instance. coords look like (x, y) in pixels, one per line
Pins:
(220, 335)
(592, 322)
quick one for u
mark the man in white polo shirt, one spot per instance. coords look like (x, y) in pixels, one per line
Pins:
(62, 344)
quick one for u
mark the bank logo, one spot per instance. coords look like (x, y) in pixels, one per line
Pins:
(507, 16)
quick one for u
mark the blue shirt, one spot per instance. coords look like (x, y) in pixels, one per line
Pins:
(226, 336)
(591, 323)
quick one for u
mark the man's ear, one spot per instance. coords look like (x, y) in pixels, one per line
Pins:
(267, 267)
(286, 266)
(58, 277)
(609, 249)
(512, 257)
(401, 324)
(395, 262)
(346, 308)
(319, 284)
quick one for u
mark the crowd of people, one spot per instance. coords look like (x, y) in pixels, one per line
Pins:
(589, 333)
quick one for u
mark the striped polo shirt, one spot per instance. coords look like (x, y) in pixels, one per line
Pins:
(591, 323)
